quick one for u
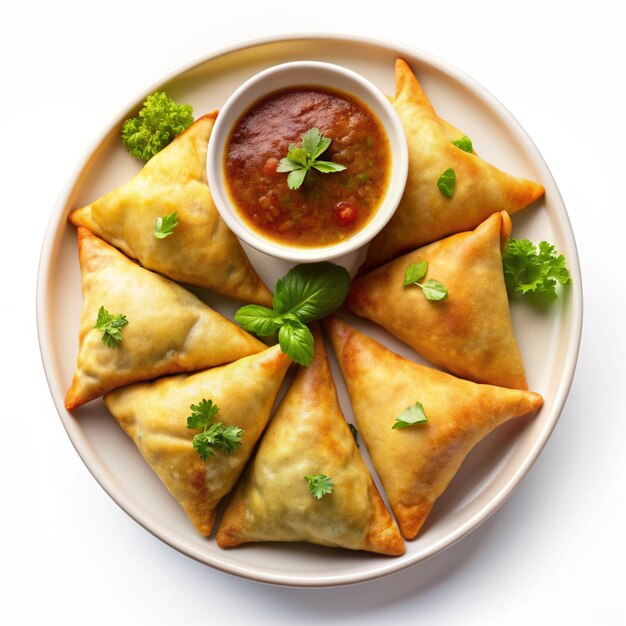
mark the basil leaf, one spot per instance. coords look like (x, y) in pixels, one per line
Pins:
(311, 291)
(326, 167)
(296, 178)
(434, 290)
(414, 272)
(297, 342)
(447, 182)
(410, 416)
(258, 319)
(464, 143)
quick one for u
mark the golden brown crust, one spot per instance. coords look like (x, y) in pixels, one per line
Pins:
(424, 213)
(202, 251)
(309, 435)
(470, 333)
(169, 329)
(154, 415)
(417, 463)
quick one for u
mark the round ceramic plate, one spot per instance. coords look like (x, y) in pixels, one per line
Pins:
(549, 339)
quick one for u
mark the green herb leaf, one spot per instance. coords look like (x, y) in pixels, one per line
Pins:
(202, 414)
(287, 165)
(297, 342)
(410, 416)
(111, 327)
(326, 167)
(434, 290)
(311, 291)
(214, 434)
(447, 182)
(258, 319)
(534, 273)
(164, 226)
(414, 272)
(319, 485)
(306, 293)
(300, 160)
(296, 178)
(158, 123)
(464, 143)
(355, 434)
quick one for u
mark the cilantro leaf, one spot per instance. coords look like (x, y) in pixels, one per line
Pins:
(202, 414)
(300, 160)
(432, 289)
(165, 225)
(447, 183)
(158, 123)
(533, 272)
(410, 416)
(111, 326)
(464, 143)
(319, 485)
(214, 434)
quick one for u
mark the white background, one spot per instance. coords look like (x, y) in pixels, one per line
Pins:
(554, 554)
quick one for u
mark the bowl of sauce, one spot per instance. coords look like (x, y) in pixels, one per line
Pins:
(307, 161)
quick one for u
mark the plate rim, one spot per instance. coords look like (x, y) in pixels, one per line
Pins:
(385, 567)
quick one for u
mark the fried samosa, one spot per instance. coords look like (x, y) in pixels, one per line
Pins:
(154, 415)
(202, 251)
(470, 332)
(308, 436)
(168, 330)
(425, 213)
(417, 462)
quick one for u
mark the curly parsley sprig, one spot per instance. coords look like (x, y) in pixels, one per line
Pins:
(533, 272)
(157, 124)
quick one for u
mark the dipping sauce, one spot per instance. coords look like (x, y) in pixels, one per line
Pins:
(327, 208)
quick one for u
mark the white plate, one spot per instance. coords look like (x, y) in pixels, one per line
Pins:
(549, 340)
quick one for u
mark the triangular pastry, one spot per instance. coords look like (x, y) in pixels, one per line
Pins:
(425, 214)
(169, 329)
(307, 436)
(202, 251)
(154, 415)
(416, 464)
(470, 332)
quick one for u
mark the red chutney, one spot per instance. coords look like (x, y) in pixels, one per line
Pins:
(327, 208)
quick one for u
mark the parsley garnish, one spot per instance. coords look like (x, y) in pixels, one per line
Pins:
(319, 485)
(214, 434)
(447, 182)
(157, 124)
(300, 160)
(410, 416)
(464, 143)
(532, 272)
(164, 226)
(111, 326)
(432, 289)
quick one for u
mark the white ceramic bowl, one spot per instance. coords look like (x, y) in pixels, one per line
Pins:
(306, 73)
